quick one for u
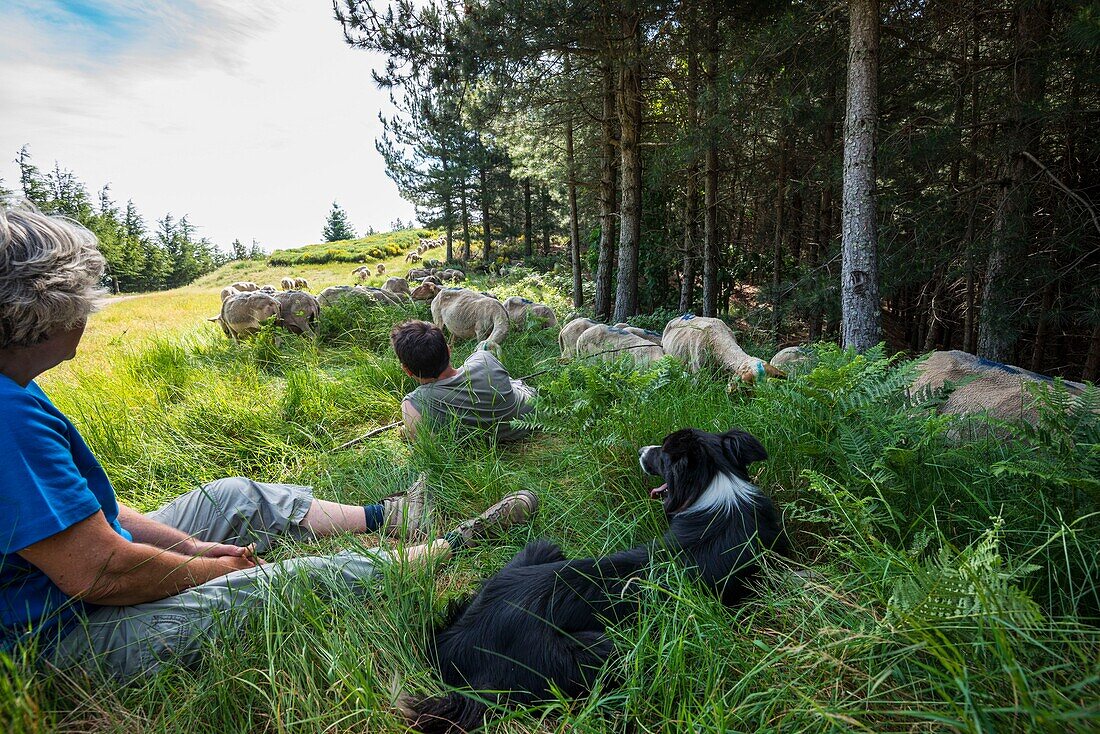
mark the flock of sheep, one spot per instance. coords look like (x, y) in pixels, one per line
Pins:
(696, 340)
(425, 245)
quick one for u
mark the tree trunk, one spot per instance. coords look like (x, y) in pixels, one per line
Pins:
(544, 198)
(574, 227)
(1042, 331)
(710, 175)
(860, 308)
(777, 243)
(630, 210)
(606, 262)
(465, 222)
(1092, 361)
(998, 327)
(486, 237)
(691, 204)
(448, 212)
(528, 232)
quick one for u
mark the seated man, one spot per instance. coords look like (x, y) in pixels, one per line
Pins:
(479, 395)
(100, 584)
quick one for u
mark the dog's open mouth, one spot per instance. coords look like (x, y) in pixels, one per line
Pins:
(658, 493)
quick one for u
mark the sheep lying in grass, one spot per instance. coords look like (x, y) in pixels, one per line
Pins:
(699, 341)
(397, 286)
(469, 315)
(297, 311)
(791, 358)
(523, 311)
(425, 292)
(567, 338)
(243, 314)
(647, 334)
(452, 275)
(991, 387)
(245, 286)
(610, 343)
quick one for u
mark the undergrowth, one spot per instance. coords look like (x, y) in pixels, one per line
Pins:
(952, 584)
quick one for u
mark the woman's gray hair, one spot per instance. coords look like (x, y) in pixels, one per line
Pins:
(50, 274)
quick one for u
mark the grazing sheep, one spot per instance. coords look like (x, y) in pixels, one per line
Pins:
(791, 357)
(412, 257)
(301, 284)
(229, 291)
(567, 339)
(268, 289)
(647, 334)
(425, 292)
(298, 311)
(994, 388)
(470, 315)
(611, 344)
(700, 340)
(418, 273)
(287, 284)
(380, 269)
(243, 314)
(364, 274)
(521, 310)
(360, 269)
(397, 286)
(452, 275)
(245, 286)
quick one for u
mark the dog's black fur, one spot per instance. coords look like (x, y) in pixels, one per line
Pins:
(542, 619)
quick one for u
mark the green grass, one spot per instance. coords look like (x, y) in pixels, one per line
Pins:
(955, 584)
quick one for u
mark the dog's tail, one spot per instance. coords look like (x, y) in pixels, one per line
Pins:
(453, 713)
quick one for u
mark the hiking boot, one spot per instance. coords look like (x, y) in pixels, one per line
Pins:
(515, 509)
(407, 515)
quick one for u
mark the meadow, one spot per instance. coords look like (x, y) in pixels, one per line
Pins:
(954, 583)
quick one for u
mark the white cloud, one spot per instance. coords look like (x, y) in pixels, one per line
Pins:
(249, 117)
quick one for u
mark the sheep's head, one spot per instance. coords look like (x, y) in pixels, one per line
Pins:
(757, 369)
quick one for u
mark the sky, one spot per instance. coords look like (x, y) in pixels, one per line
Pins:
(250, 117)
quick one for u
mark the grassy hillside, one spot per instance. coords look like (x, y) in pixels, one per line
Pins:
(956, 585)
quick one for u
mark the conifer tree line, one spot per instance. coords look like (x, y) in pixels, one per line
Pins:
(140, 257)
(692, 153)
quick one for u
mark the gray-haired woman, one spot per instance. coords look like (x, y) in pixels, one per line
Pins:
(99, 583)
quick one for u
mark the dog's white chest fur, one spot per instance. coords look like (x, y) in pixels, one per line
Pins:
(726, 491)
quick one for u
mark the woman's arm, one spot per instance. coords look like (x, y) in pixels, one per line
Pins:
(92, 562)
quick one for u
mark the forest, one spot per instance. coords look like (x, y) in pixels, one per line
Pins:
(694, 154)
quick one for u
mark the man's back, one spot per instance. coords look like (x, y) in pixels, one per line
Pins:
(481, 394)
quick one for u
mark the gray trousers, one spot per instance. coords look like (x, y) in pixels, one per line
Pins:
(123, 642)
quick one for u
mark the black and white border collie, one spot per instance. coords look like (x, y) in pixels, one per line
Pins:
(541, 621)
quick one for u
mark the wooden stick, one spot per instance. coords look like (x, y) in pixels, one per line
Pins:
(369, 434)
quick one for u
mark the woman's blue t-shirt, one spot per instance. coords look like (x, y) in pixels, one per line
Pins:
(49, 481)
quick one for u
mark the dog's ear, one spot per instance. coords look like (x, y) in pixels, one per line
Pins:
(679, 444)
(742, 448)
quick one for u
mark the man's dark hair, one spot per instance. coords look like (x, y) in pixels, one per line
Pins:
(421, 347)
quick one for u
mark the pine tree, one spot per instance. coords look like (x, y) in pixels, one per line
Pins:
(337, 226)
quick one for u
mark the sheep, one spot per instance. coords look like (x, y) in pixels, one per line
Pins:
(268, 289)
(243, 314)
(298, 311)
(412, 257)
(520, 310)
(567, 339)
(647, 334)
(425, 292)
(387, 297)
(433, 279)
(418, 273)
(469, 315)
(397, 286)
(287, 284)
(611, 343)
(791, 357)
(380, 269)
(301, 284)
(700, 340)
(229, 291)
(452, 275)
(245, 286)
(991, 387)
(364, 274)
